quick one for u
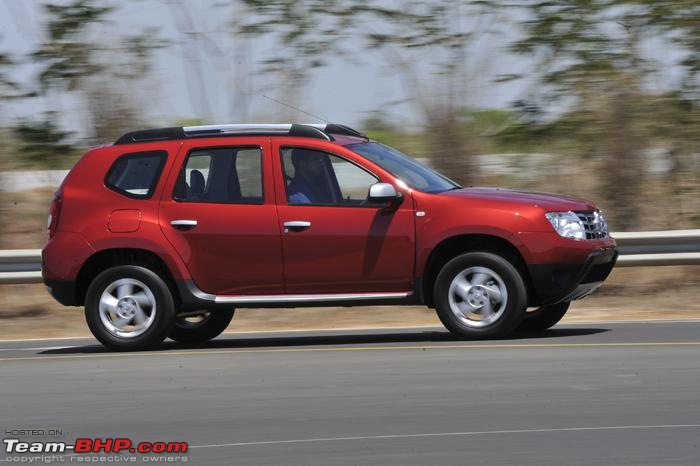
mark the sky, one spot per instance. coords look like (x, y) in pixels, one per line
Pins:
(214, 73)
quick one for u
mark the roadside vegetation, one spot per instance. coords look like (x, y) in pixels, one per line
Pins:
(610, 110)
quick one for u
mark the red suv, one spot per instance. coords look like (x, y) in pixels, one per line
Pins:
(166, 231)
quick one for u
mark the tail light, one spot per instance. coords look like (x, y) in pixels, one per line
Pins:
(54, 213)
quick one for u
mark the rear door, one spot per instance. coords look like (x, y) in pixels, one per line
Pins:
(219, 213)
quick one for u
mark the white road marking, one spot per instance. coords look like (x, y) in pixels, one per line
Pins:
(423, 435)
(690, 320)
(445, 434)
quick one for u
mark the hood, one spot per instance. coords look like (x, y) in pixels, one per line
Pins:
(550, 202)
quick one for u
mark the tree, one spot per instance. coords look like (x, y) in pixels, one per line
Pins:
(7, 86)
(112, 96)
(67, 56)
(408, 33)
(431, 46)
(588, 55)
(101, 74)
(305, 33)
(8, 90)
(679, 23)
(42, 144)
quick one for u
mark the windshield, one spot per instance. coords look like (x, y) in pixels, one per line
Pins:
(414, 174)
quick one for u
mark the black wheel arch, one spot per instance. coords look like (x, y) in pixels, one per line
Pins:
(106, 258)
(453, 246)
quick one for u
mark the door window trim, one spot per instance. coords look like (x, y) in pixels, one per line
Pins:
(316, 149)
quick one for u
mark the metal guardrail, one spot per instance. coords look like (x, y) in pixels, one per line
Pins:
(18, 266)
(647, 248)
(652, 248)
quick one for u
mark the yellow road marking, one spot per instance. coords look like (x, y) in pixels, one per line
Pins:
(359, 348)
(427, 327)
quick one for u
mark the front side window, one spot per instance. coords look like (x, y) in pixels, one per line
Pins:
(319, 178)
(136, 175)
(229, 175)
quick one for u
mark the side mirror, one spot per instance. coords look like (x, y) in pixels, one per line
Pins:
(382, 193)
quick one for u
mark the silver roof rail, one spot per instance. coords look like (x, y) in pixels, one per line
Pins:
(316, 131)
(287, 129)
(238, 129)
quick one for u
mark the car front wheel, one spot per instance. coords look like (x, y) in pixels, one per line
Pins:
(480, 295)
(200, 327)
(128, 308)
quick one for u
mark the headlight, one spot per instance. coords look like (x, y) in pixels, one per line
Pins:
(602, 223)
(567, 224)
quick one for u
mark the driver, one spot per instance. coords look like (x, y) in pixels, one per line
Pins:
(308, 178)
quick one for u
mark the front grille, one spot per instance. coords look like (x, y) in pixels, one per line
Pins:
(594, 223)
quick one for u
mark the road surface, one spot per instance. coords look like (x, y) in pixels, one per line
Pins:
(593, 394)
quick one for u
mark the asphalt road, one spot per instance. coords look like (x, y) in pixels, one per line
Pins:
(621, 393)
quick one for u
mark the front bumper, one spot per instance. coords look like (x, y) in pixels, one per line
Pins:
(558, 282)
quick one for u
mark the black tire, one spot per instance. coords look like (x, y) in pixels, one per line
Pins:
(511, 308)
(160, 315)
(544, 317)
(211, 326)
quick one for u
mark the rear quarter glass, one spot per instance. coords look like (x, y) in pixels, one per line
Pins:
(136, 174)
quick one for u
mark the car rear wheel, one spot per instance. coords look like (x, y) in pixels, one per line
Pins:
(543, 317)
(480, 295)
(200, 327)
(129, 308)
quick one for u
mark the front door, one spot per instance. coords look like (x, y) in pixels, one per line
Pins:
(333, 240)
(220, 215)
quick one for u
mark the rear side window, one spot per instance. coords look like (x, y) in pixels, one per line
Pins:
(136, 175)
(227, 175)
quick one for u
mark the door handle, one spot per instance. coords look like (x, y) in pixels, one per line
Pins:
(184, 224)
(296, 225)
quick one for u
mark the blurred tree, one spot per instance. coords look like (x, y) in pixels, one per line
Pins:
(99, 70)
(42, 144)
(307, 32)
(190, 42)
(112, 95)
(441, 32)
(380, 127)
(67, 56)
(588, 62)
(201, 46)
(8, 90)
(678, 21)
(7, 86)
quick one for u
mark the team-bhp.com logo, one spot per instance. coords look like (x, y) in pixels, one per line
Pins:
(88, 445)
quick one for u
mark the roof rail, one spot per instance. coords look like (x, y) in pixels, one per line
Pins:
(332, 128)
(324, 131)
